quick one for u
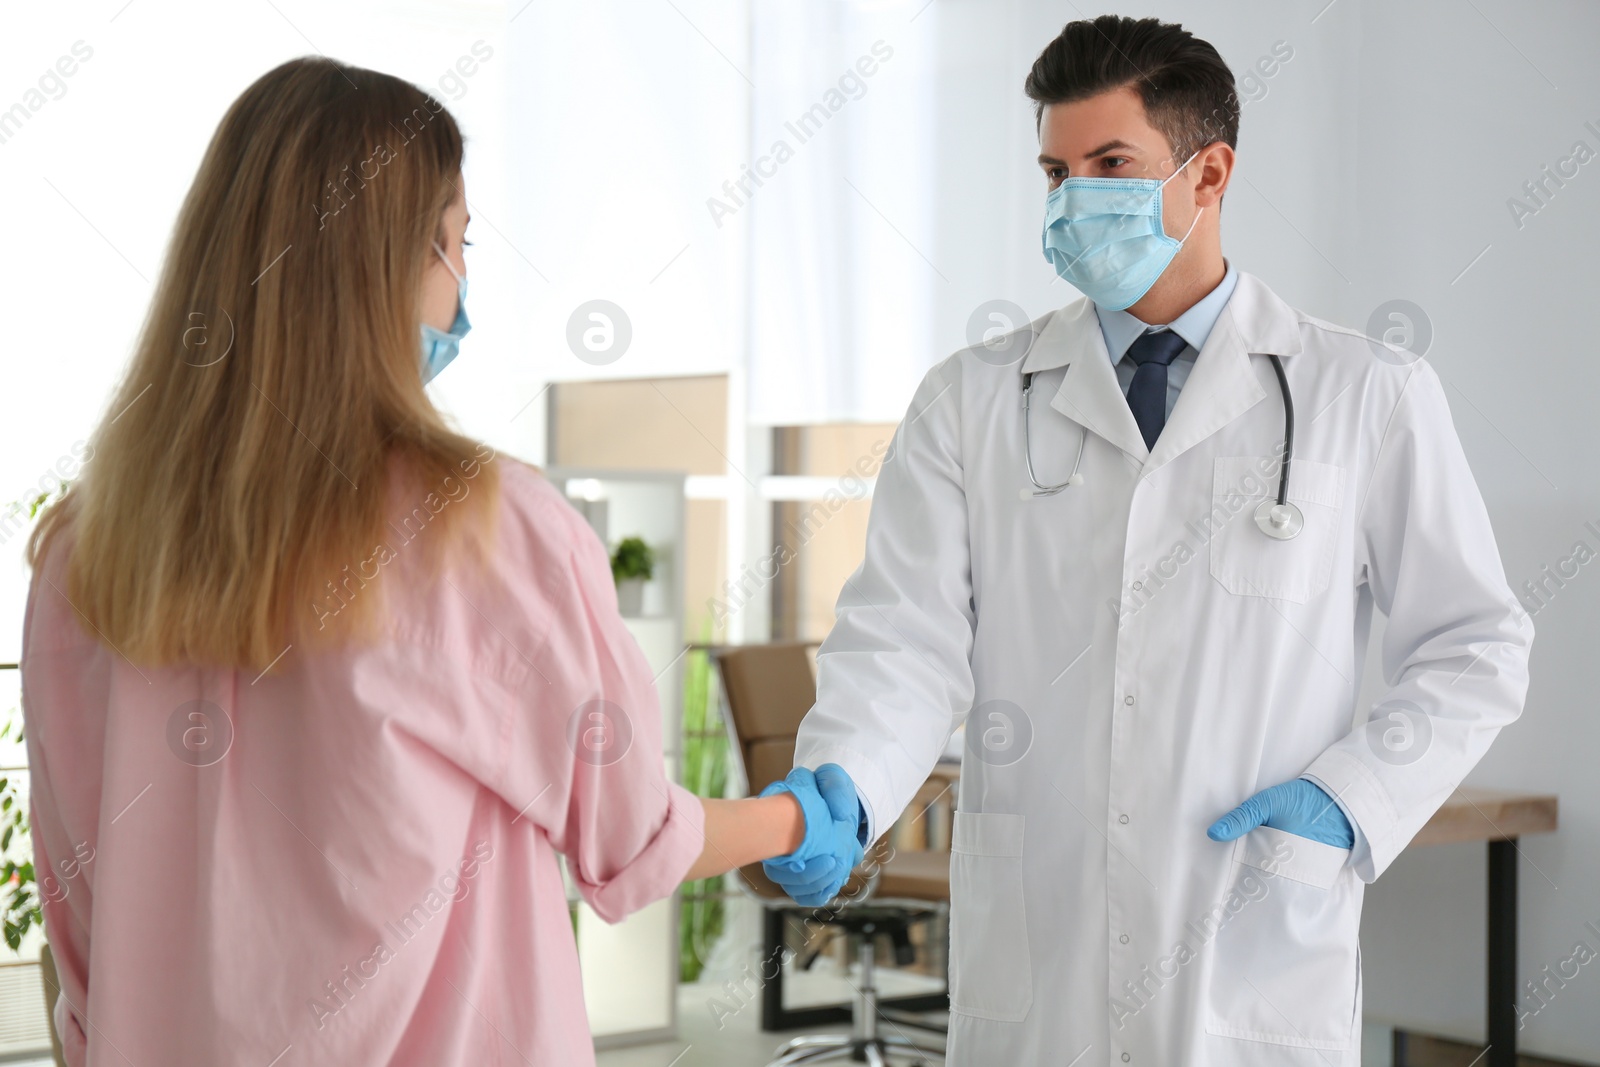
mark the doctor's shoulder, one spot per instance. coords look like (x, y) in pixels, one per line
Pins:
(997, 349)
(975, 386)
(1382, 367)
(999, 337)
(1346, 343)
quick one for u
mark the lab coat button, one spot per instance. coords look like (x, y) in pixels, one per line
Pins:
(1122, 819)
(1126, 1057)
(1123, 939)
(1128, 699)
(1137, 586)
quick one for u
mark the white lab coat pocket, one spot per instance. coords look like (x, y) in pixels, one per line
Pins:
(1287, 966)
(991, 974)
(1248, 562)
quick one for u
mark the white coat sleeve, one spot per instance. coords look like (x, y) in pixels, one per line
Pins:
(1455, 653)
(894, 675)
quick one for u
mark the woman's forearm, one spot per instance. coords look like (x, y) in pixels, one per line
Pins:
(738, 832)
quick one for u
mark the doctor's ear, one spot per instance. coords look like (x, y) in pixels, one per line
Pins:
(1210, 171)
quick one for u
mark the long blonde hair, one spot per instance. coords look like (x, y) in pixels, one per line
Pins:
(240, 468)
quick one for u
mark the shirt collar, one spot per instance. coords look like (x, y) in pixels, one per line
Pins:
(1119, 328)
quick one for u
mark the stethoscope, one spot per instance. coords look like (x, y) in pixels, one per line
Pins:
(1278, 518)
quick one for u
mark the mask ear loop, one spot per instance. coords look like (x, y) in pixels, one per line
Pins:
(1179, 171)
(1164, 181)
(1192, 225)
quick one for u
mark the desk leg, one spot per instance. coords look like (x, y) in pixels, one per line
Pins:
(1501, 1012)
(772, 949)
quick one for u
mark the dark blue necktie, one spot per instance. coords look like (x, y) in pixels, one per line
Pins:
(1147, 393)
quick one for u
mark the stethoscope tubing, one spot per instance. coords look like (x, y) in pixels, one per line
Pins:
(1027, 442)
(1288, 427)
(1050, 490)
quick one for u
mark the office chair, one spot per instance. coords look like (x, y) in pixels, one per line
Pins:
(769, 688)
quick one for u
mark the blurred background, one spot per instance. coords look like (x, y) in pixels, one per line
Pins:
(717, 243)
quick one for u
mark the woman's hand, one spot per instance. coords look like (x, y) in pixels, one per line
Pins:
(806, 825)
(739, 832)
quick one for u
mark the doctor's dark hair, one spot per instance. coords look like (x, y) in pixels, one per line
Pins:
(1187, 89)
(272, 422)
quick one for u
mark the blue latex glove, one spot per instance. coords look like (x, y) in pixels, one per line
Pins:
(814, 873)
(1300, 807)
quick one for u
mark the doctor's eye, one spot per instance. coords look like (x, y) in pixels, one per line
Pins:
(1113, 162)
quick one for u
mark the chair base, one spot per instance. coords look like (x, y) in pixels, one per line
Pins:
(865, 1043)
(876, 1051)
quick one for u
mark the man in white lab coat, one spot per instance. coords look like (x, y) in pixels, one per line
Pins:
(1170, 802)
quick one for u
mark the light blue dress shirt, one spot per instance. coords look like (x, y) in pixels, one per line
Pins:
(1120, 329)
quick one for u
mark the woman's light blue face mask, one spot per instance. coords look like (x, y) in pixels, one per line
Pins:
(439, 347)
(1104, 236)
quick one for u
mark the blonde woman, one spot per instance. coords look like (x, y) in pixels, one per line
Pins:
(316, 688)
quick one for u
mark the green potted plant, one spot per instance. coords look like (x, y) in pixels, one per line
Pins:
(632, 564)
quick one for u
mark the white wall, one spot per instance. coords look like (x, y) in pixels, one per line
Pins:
(1461, 109)
(627, 117)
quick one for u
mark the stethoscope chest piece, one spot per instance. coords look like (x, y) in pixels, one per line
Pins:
(1279, 521)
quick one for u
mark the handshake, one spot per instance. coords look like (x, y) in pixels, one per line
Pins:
(814, 873)
(832, 846)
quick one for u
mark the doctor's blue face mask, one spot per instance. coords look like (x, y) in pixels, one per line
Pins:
(439, 347)
(1104, 236)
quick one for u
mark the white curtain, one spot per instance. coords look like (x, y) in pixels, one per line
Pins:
(843, 275)
(626, 117)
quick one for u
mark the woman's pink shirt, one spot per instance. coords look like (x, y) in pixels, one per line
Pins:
(351, 859)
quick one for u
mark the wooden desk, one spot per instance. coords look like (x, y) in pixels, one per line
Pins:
(1498, 818)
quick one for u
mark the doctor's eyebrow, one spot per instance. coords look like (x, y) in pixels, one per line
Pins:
(1109, 146)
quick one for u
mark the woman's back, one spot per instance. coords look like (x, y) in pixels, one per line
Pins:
(350, 859)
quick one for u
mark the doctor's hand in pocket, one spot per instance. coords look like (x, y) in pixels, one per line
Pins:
(814, 873)
(1299, 807)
